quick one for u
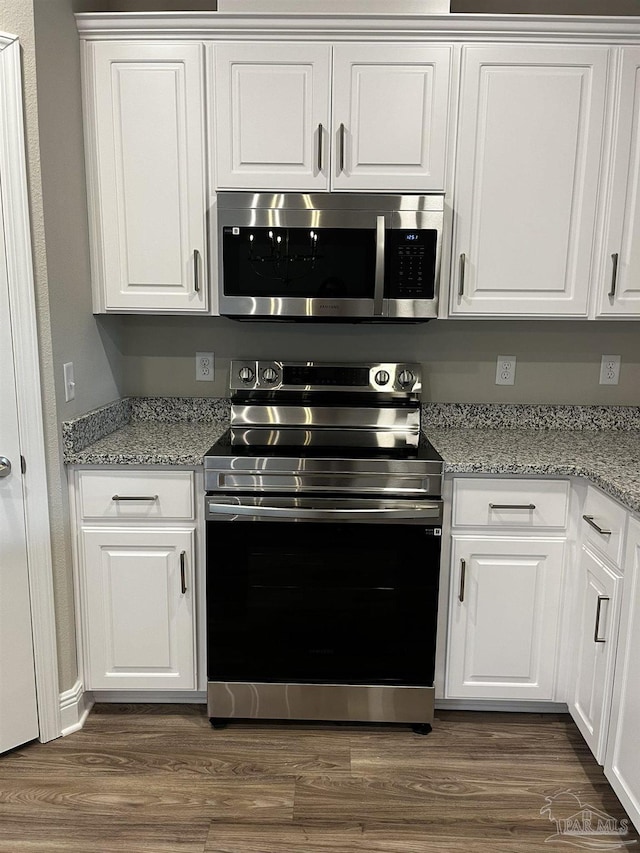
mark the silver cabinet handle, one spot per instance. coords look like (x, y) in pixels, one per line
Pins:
(614, 275)
(342, 135)
(591, 523)
(512, 506)
(196, 270)
(463, 573)
(320, 132)
(596, 631)
(462, 262)
(378, 291)
(134, 498)
(5, 467)
(183, 572)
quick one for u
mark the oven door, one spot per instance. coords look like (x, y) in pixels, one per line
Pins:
(345, 593)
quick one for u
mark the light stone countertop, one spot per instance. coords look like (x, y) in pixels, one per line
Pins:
(609, 459)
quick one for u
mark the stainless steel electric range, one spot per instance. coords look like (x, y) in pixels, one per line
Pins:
(323, 524)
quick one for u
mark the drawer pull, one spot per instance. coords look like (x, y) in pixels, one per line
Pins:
(183, 572)
(596, 527)
(512, 506)
(134, 498)
(596, 638)
(463, 572)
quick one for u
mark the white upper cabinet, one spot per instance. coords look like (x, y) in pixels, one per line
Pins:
(390, 114)
(527, 169)
(386, 131)
(272, 115)
(618, 274)
(144, 128)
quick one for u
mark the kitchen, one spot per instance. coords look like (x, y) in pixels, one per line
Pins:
(557, 361)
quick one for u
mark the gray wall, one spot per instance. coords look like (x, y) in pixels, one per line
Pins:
(557, 361)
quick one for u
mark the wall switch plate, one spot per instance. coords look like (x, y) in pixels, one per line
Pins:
(506, 370)
(204, 367)
(610, 370)
(69, 381)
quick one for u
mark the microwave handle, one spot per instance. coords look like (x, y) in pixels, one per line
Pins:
(378, 291)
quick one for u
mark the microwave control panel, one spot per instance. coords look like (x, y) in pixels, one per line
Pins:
(411, 263)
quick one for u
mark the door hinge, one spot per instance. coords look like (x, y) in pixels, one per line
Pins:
(23, 464)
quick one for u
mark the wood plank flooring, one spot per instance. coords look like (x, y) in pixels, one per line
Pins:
(158, 779)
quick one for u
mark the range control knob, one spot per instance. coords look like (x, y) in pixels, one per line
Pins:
(382, 377)
(406, 378)
(269, 375)
(246, 374)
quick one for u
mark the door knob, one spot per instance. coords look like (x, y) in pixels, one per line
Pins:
(5, 466)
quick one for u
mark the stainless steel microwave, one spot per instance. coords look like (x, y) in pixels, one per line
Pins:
(329, 256)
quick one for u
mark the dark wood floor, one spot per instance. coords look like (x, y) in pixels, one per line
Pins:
(144, 778)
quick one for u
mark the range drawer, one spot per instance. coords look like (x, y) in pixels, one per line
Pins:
(136, 494)
(510, 503)
(603, 525)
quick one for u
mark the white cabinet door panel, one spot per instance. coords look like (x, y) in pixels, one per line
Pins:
(597, 640)
(147, 175)
(272, 115)
(503, 633)
(393, 102)
(622, 767)
(139, 622)
(527, 175)
(623, 231)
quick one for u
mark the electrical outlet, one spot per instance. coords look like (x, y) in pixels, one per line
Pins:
(610, 370)
(204, 367)
(506, 370)
(69, 381)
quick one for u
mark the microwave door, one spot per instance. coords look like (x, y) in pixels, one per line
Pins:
(301, 271)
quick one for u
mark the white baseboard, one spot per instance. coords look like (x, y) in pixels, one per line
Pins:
(508, 705)
(75, 705)
(184, 697)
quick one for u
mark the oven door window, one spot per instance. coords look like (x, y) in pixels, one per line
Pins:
(332, 603)
(299, 262)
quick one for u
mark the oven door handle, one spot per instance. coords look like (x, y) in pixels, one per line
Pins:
(426, 511)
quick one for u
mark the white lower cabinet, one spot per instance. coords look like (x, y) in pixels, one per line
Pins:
(138, 608)
(504, 617)
(622, 764)
(597, 632)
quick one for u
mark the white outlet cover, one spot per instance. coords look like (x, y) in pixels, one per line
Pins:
(505, 370)
(204, 367)
(69, 381)
(610, 370)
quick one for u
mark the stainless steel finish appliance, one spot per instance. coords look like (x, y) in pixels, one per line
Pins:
(326, 608)
(329, 256)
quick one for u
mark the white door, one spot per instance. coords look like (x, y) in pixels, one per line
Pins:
(503, 620)
(619, 268)
(272, 115)
(18, 709)
(390, 117)
(138, 614)
(527, 166)
(622, 767)
(145, 135)
(597, 640)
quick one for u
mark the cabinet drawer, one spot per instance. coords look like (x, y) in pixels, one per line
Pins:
(136, 494)
(510, 503)
(602, 513)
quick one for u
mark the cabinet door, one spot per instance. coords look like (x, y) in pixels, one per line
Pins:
(596, 648)
(526, 179)
(144, 111)
(138, 615)
(390, 116)
(622, 767)
(504, 616)
(621, 256)
(272, 115)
